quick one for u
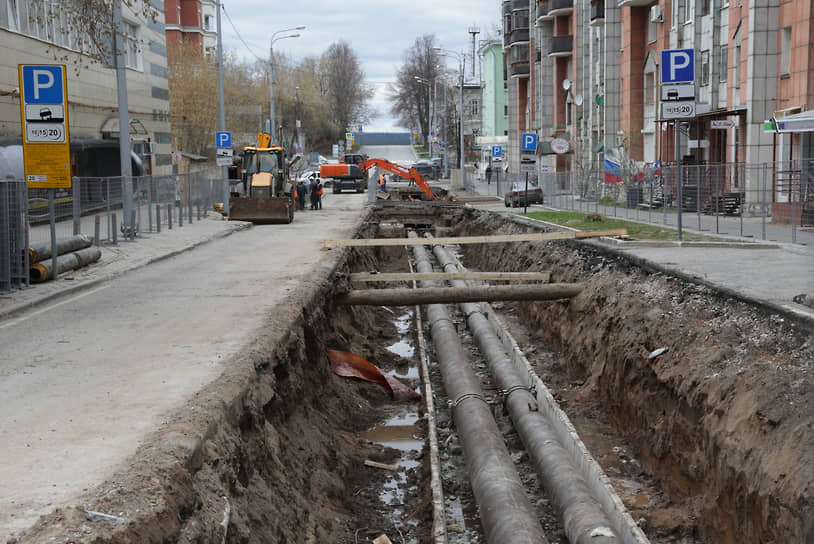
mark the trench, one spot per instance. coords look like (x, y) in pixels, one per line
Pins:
(708, 442)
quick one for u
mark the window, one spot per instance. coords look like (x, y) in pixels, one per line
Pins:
(505, 111)
(706, 7)
(705, 67)
(13, 15)
(687, 15)
(474, 106)
(724, 63)
(132, 46)
(785, 50)
(652, 28)
(737, 62)
(569, 113)
(207, 22)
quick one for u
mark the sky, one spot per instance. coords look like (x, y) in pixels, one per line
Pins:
(379, 31)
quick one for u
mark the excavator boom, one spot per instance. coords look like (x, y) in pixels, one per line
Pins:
(408, 173)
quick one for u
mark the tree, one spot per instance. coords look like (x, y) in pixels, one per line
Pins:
(342, 84)
(410, 96)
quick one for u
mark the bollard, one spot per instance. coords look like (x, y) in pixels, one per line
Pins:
(132, 233)
(169, 216)
(199, 211)
(96, 231)
(115, 231)
(158, 218)
(189, 212)
(180, 215)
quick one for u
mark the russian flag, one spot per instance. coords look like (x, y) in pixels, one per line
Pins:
(613, 171)
(657, 168)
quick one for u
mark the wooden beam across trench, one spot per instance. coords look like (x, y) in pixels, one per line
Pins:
(446, 276)
(450, 295)
(493, 239)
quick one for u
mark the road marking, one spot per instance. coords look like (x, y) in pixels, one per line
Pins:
(51, 307)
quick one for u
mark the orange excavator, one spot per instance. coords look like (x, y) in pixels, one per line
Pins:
(407, 173)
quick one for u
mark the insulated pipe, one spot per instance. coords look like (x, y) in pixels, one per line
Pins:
(42, 250)
(41, 271)
(582, 516)
(506, 513)
(465, 293)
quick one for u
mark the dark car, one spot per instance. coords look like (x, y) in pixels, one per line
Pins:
(518, 196)
(425, 168)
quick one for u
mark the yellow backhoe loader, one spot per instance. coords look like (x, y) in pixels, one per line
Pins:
(268, 194)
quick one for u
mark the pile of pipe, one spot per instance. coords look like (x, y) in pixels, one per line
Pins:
(72, 253)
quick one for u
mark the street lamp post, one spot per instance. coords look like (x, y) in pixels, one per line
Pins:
(462, 62)
(275, 38)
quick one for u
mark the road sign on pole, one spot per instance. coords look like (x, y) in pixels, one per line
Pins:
(721, 124)
(677, 66)
(528, 142)
(684, 109)
(223, 139)
(44, 114)
(497, 150)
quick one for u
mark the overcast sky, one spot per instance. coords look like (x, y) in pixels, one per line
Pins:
(379, 31)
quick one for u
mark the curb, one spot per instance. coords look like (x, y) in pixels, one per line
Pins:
(86, 284)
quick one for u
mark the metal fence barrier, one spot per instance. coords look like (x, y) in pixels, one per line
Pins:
(13, 234)
(95, 207)
(766, 201)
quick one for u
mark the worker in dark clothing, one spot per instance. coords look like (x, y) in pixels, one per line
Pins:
(488, 174)
(319, 194)
(312, 191)
(302, 189)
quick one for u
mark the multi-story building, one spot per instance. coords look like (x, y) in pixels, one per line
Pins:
(588, 72)
(494, 99)
(190, 25)
(36, 33)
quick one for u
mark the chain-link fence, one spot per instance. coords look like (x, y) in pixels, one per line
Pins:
(766, 201)
(13, 234)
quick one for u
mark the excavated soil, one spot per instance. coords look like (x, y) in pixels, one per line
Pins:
(719, 427)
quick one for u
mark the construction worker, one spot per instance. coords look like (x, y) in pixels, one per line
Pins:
(382, 183)
(302, 189)
(312, 190)
(319, 194)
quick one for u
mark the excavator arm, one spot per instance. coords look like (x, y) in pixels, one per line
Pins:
(408, 173)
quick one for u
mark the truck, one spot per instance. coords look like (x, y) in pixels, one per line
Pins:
(267, 194)
(344, 176)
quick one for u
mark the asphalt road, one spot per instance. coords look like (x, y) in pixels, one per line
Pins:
(85, 378)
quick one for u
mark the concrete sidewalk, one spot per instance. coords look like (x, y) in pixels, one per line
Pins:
(121, 258)
(778, 275)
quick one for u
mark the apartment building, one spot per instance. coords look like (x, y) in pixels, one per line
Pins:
(588, 73)
(36, 32)
(494, 100)
(191, 26)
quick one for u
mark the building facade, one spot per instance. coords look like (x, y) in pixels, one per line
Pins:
(589, 72)
(36, 33)
(191, 26)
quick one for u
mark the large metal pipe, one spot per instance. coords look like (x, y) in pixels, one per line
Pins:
(582, 516)
(506, 513)
(42, 250)
(446, 295)
(40, 272)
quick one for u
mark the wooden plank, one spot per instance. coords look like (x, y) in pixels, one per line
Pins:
(445, 276)
(495, 239)
(384, 466)
(450, 295)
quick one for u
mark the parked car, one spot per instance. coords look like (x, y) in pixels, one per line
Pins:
(518, 196)
(424, 167)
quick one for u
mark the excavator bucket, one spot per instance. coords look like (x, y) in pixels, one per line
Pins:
(261, 210)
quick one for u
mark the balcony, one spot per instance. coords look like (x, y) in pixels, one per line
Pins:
(520, 35)
(633, 3)
(519, 70)
(557, 8)
(519, 5)
(597, 12)
(561, 46)
(542, 10)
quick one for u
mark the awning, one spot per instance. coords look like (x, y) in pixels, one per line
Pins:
(110, 128)
(800, 122)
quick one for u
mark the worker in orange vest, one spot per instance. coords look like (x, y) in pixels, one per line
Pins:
(319, 194)
(382, 183)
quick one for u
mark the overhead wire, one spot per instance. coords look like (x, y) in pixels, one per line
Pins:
(239, 36)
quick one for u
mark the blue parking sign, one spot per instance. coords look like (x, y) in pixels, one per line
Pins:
(678, 66)
(497, 150)
(223, 139)
(42, 84)
(528, 142)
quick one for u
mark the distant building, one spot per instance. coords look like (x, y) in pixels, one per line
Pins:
(29, 37)
(494, 100)
(191, 26)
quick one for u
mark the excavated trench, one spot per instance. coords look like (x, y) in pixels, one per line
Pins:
(710, 441)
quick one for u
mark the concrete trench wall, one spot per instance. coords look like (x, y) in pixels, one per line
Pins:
(699, 415)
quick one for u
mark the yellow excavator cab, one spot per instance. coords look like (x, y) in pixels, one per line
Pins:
(268, 195)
